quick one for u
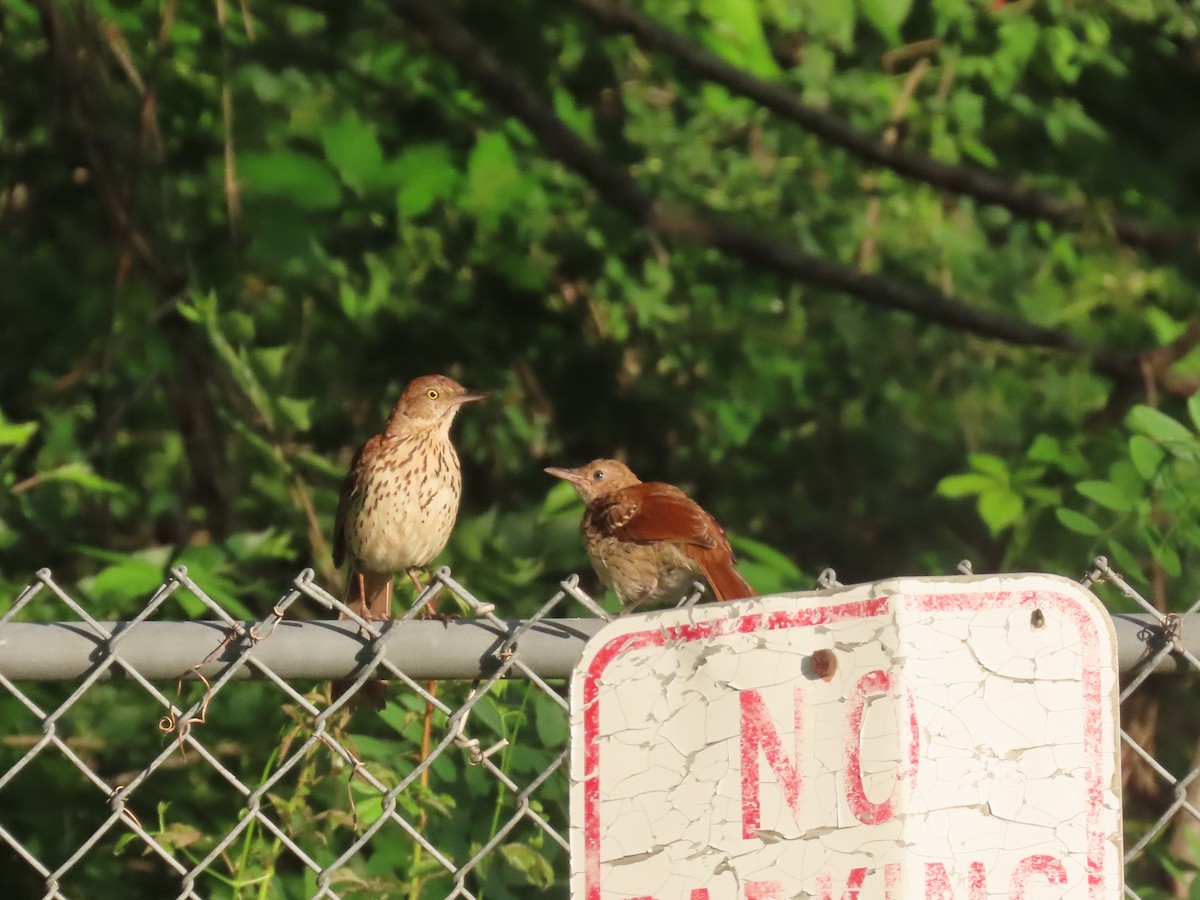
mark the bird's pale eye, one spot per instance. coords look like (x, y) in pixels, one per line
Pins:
(432, 394)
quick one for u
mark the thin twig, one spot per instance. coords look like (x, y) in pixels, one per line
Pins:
(233, 198)
(617, 188)
(891, 137)
(1020, 199)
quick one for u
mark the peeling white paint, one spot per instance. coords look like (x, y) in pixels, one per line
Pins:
(963, 747)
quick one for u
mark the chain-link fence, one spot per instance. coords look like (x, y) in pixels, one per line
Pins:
(202, 759)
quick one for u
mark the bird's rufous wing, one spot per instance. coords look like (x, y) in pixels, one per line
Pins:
(652, 511)
(661, 512)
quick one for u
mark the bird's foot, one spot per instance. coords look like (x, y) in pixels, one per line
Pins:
(445, 618)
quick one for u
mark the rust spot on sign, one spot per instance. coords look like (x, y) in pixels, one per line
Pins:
(824, 664)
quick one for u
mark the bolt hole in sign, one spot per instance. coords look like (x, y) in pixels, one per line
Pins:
(944, 739)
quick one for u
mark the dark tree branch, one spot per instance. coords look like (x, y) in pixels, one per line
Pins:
(1022, 200)
(617, 188)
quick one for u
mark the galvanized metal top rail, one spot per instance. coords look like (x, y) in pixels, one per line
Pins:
(423, 649)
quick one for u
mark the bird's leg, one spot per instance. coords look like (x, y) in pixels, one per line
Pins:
(430, 611)
(387, 600)
(362, 594)
(416, 580)
(645, 595)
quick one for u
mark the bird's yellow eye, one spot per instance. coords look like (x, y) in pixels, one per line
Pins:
(432, 394)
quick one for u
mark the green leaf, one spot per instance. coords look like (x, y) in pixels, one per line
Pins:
(576, 117)
(560, 499)
(1107, 495)
(1018, 39)
(1063, 49)
(16, 434)
(551, 721)
(1158, 425)
(1040, 494)
(535, 867)
(81, 474)
(1193, 406)
(426, 174)
(965, 485)
(298, 411)
(1130, 565)
(304, 180)
(737, 35)
(130, 579)
(886, 16)
(986, 462)
(1077, 522)
(1167, 557)
(271, 359)
(1146, 455)
(493, 179)
(1048, 449)
(832, 23)
(8, 535)
(1045, 448)
(489, 713)
(767, 556)
(999, 508)
(353, 150)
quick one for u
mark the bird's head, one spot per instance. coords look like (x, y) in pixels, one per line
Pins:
(432, 400)
(597, 478)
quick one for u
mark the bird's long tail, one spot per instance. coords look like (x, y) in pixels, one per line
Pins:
(722, 576)
(370, 595)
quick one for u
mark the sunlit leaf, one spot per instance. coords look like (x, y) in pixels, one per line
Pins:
(1107, 495)
(1077, 522)
(425, 174)
(535, 867)
(1146, 455)
(886, 16)
(986, 462)
(16, 434)
(82, 475)
(965, 485)
(1161, 427)
(1167, 557)
(492, 175)
(1000, 508)
(353, 150)
(304, 180)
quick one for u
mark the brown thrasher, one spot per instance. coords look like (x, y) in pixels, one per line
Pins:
(649, 540)
(399, 501)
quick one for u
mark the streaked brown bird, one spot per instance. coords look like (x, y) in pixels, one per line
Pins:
(649, 540)
(399, 500)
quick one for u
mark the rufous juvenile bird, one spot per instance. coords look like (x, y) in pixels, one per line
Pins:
(399, 500)
(649, 540)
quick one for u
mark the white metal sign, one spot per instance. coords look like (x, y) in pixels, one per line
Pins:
(946, 739)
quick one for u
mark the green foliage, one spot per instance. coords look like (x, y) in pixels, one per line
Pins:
(1008, 497)
(1145, 509)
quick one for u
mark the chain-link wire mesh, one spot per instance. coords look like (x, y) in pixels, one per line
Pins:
(257, 786)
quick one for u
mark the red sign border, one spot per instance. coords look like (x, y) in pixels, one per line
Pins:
(962, 601)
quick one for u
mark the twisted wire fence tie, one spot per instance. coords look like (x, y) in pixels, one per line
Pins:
(170, 722)
(828, 579)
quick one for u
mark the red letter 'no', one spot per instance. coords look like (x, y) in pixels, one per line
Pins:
(759, 731)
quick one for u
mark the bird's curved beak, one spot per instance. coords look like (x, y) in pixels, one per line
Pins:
(565, 474)
(471, 397)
